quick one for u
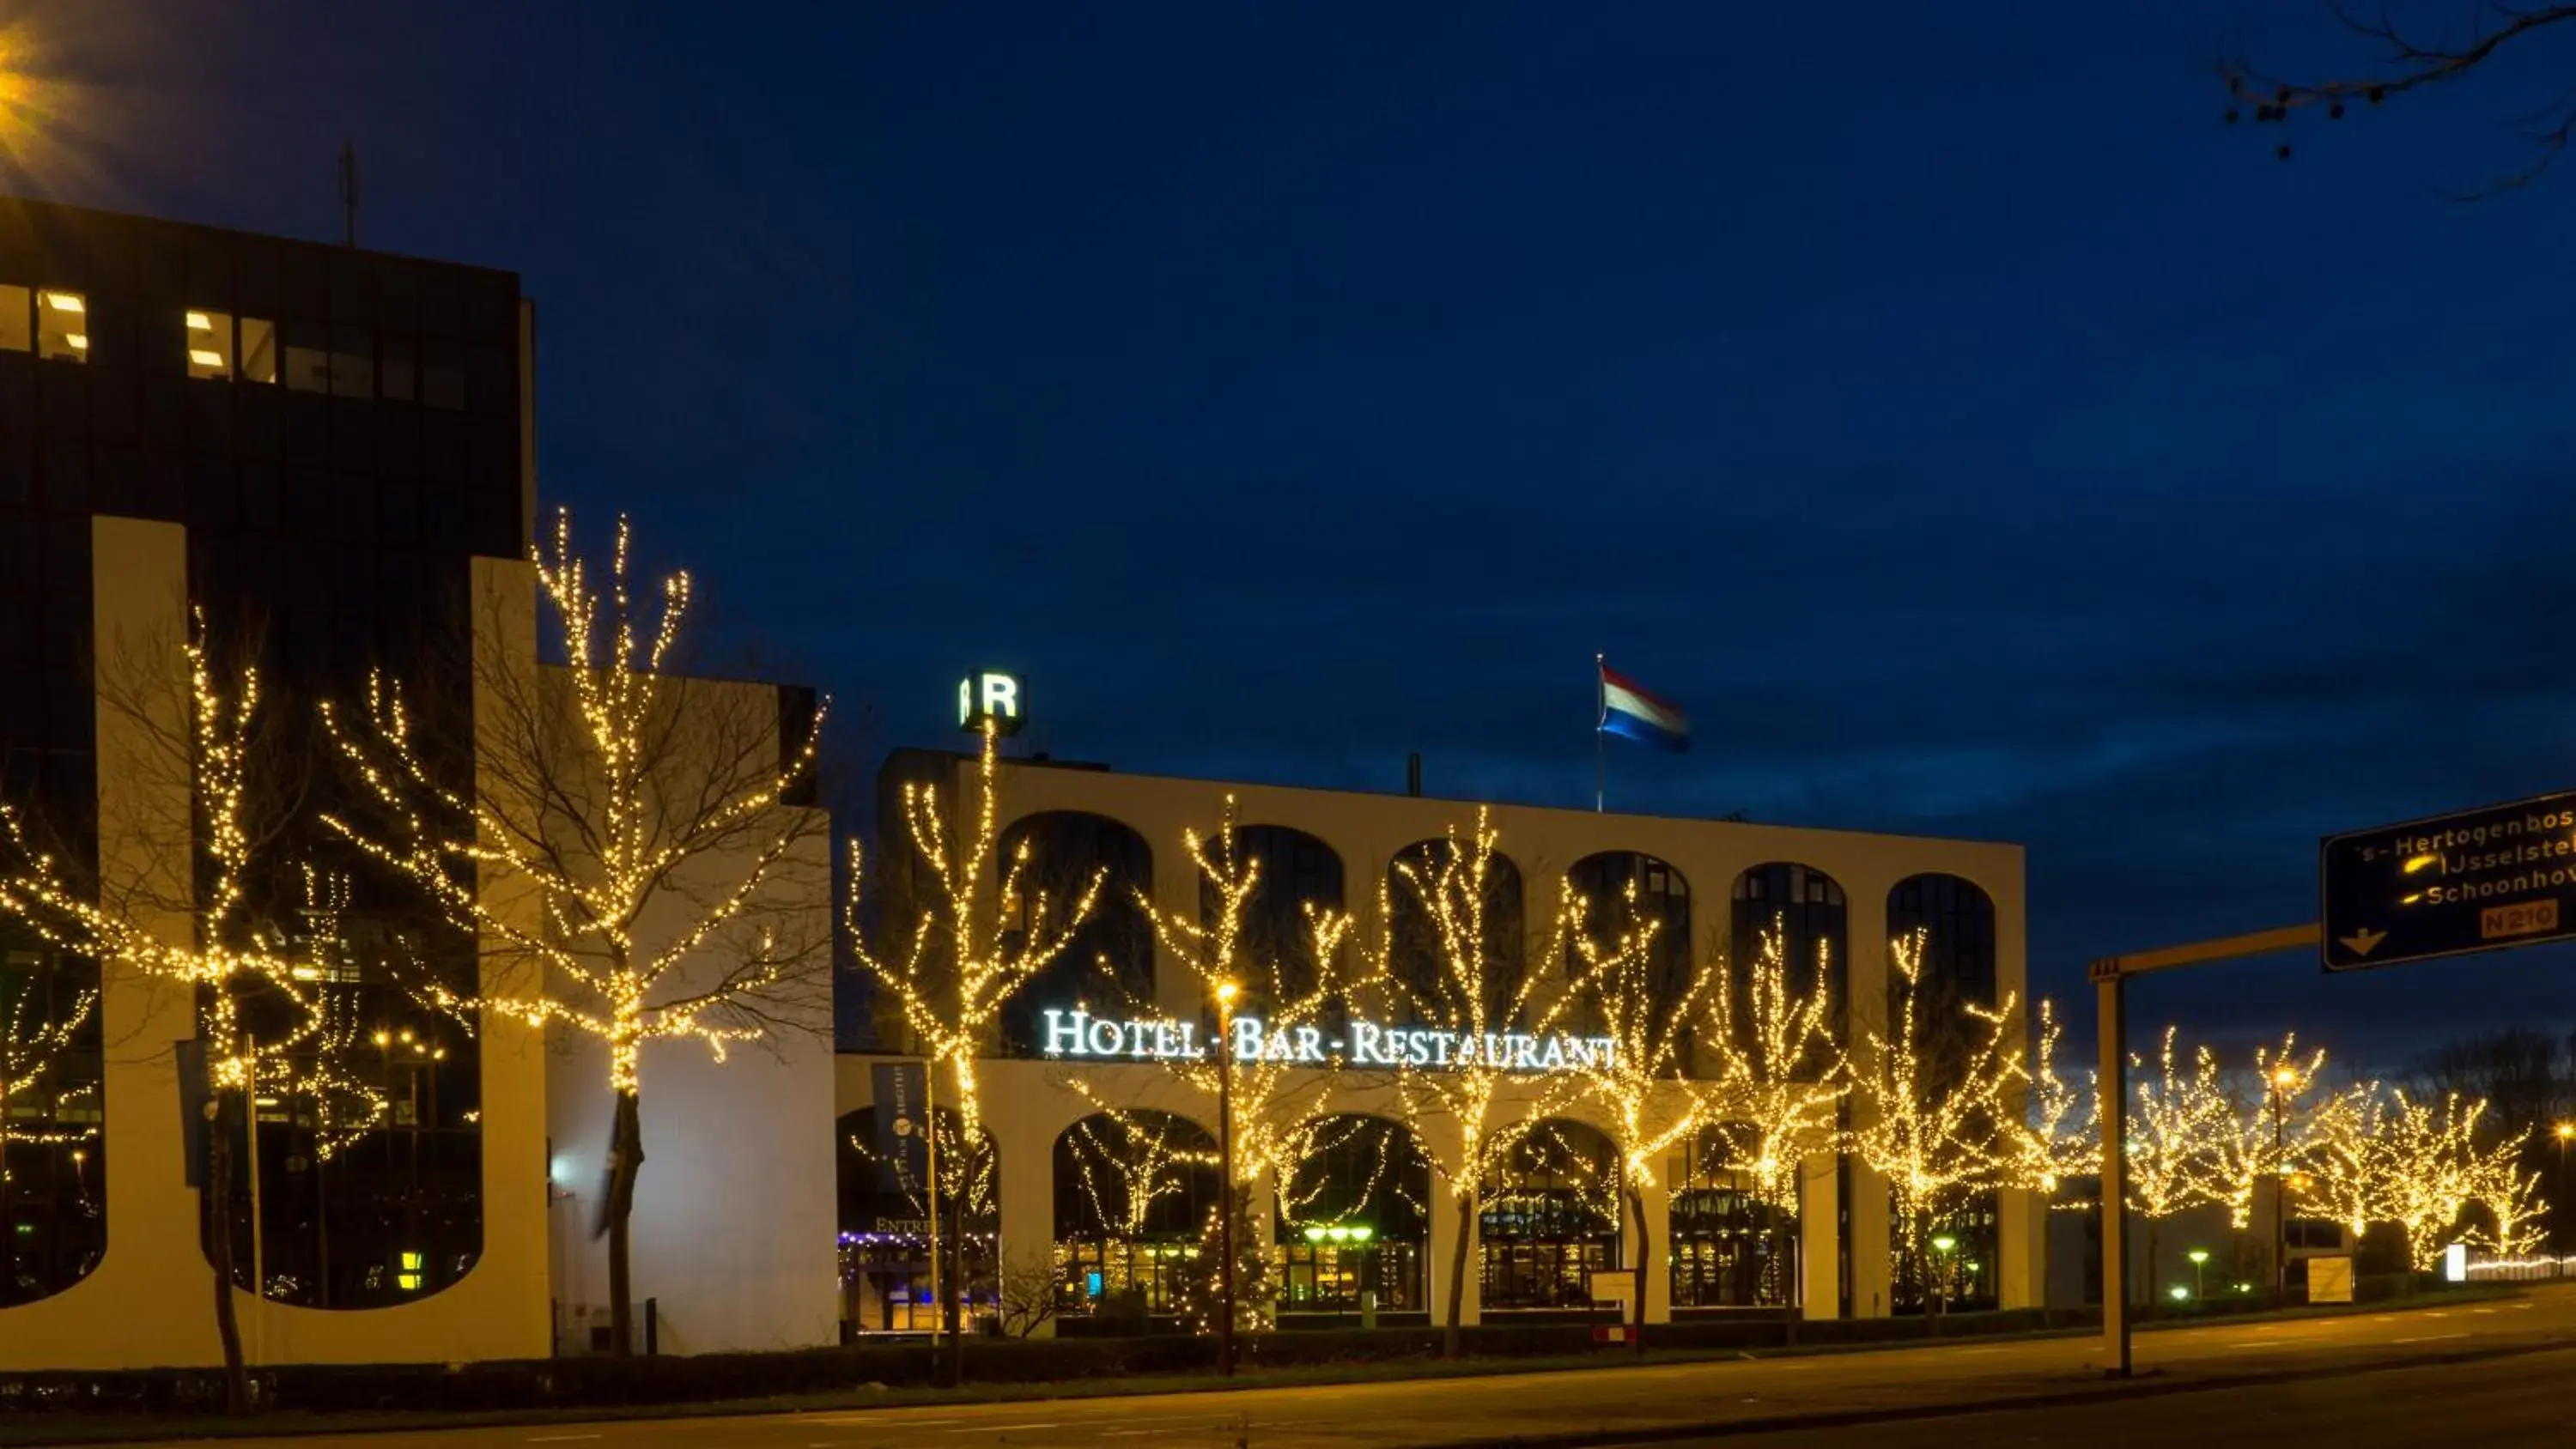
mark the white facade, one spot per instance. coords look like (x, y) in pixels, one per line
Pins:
(1029, 1104)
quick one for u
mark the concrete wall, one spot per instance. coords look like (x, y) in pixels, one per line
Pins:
(734, 1208)
(733, 1267)
(149, 1301)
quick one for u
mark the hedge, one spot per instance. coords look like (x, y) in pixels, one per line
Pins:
(704, 1378)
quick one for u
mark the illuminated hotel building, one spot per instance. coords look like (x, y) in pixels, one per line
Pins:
(1366, 1215)
(330, 452)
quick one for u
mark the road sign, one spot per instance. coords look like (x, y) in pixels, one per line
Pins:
(2476, 880)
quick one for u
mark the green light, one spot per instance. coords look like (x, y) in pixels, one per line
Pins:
(1314, 1235)
(2178, 1293)
(1339, 1234)
(1944, 1243)
(1361, 1233)
(2198, 1256)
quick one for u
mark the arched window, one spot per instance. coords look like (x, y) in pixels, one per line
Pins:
(1663, 898)
(1549, 1218)
(1958, 925)
(884, 1169)
(53, 1166)
(1132, 1190)
(1297, 870)
(1414, 943)
(1108, 965)
(1354, 1218)
(1807, 908)
(1956, 922)
(1730, 1248)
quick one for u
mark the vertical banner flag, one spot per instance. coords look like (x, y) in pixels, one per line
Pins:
(903, 1152)
(1629, 711)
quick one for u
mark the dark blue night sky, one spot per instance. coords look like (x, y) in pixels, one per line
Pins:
(1972, 431)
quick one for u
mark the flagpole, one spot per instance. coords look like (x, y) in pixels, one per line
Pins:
(1600, 747)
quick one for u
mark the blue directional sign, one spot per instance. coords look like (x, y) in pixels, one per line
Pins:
(2476, 880)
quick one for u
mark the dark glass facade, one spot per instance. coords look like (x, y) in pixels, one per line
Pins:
(341, 433)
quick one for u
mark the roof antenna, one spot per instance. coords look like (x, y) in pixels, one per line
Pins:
(349, 193)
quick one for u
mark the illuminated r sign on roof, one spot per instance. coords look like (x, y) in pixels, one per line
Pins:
(990, 695)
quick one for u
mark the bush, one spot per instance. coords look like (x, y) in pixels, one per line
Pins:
(598, 1383)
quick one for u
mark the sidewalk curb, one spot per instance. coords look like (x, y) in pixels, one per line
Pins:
(2150, 1387)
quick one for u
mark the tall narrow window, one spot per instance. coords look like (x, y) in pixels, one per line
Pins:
(353, 363)
(258, 350)
(395, 377)
(442, 374)
(17, 323)
(62, 326)
(210, 344)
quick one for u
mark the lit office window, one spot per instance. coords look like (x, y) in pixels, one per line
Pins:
(17, 321)
(258, 350)
(210, 343)
(62, 326)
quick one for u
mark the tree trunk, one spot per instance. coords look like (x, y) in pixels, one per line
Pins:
(953, 1312)
(2147, 1271)
(625, 1160)
(1645, 1262)
(1451, 1336)
(219, 1241)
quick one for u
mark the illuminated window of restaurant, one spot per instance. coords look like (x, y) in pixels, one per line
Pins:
(1352, 1224)
(1550, 1219)
(1131, 1195)
(17, 320)
(258, 350)
(62, 326)
(1727, 1247)
(210, 343)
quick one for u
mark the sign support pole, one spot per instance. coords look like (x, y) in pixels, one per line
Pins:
(2111, 990)
(2110, 979)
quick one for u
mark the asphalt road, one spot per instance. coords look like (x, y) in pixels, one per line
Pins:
(2497, 1404)
(1573, 1406)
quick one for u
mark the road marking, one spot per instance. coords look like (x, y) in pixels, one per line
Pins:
(1002, 1428)
(2429, 1338)
(2260, 1343)
(879, 1419)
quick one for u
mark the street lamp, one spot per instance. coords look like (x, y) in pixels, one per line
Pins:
(2283, 1079)
(1225, 994)
(2199, 1260)
(1943, 1245)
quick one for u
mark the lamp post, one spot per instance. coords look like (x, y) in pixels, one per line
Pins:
(2283, 1079)
(2199, 1260)
(1225, 994)
(2564, 1132)
(1942, 1247)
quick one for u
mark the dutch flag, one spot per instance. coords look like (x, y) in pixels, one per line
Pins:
(1629, 710)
